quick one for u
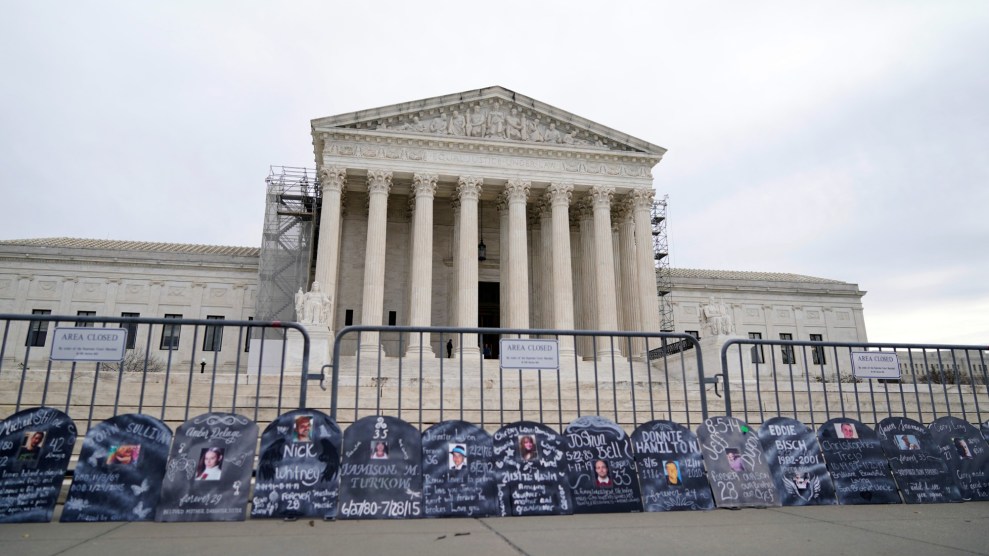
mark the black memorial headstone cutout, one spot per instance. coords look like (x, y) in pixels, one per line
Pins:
(736, 466)
(966, 453)
(671, 468)
(298, 467)
(35, 447)
(120, 469)
(985, 431)
(918, 466)
(458, 471)
(530, 466)
(208, 475)
(795, 457)
(600, 467)
(381, 474)
(857, 464)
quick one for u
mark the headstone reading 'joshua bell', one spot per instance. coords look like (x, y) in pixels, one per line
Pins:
(966, 453)
(857, 463)
(381, 474)
(458, 471)
(530, 467)
(121, 465)
(736, 466)
(35, 447)
(600, 467)
(798, 466)
(671, 468)
(918, 466)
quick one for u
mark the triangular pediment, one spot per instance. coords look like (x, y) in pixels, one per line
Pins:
(490, 114)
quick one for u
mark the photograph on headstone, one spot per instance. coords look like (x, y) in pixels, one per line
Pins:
(795, 457)
(381, 473)
(600, 467)
(458, 477)
(966, 453)
(531, 470)
(208, 474)
(35, 448)
(298, 467)
(119, 472)
(736, 465)
(916, 461)
(671, 468)
(857, 463)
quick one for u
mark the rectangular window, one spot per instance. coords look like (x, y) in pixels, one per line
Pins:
(213, 337)
(757, 353)
(247, 337)
(170, 334)
(392, 318)
(131, 329)
(38, 332)
(348, 318)
(694, 333)
(818, 350)
(788, 356)
(85, 314)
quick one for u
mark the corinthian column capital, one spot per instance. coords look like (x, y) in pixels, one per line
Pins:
(333, 178)
(424, 185)
(517, 190)
(378, 181)
(601, 196)
(469, 187)
(642, 198)
(560, 193)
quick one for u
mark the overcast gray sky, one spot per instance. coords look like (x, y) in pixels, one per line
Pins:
(840, 139)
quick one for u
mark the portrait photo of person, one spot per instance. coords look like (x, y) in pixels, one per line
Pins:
(124, 454)
(31, 446)
(734, 460)
(602, 474)
(458, 457)
(907, 442)
(379, 449)
(961, 446)
(846, 430)
(672, 470)
(528, 449)
(302, 429)
(210, 464)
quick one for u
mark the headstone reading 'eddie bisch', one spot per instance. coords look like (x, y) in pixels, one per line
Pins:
(530, 467)
(966, 453)
(298, 467)
(118, 476)
(208, 475)
(736, 466)
(798, 466)
(381, 474)
(458, 471)
(918, 466)
(35, 447)
(857, 463)
(671, 468)
(600, 467)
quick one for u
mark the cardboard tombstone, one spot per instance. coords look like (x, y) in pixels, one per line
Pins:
(857, 463)
(671, 468)
(736, 466)
(966, 453)
(600, 467)
(530, 466)
(918, 466)
(381, 474)
(795, 457)
(458, 471)
(985, 431)
(298, 467)
(208, 475)
(35, 448)
(120, 469)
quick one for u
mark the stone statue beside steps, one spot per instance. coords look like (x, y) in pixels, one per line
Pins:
(312, 307)
(717, 318)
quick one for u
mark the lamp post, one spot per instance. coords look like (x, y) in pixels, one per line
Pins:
(202, 366)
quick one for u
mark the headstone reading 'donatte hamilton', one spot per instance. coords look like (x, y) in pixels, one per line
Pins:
(458, 471)
(795, 457)
(671, 468)
(918, 466)
(857, 464)
(35, 447)
(967, 454)
(600, 467)
(298, 467)
(381, 474)
(121, 465)
(208, 474)
(736, 466)
(530, 466)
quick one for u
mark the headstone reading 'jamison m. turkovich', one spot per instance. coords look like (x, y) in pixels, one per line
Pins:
(918, 466)
(600, 467)
(530, 467)
(381, 474)
(458, 471)
(966, 453)
(671, 468)
(298, 467)
(35, 447)
(118, 476)
(798, 465)
(857, 463)
(736, 466)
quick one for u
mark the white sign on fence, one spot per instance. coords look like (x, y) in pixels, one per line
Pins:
(875, 364)
(530, 354)
(89, 344)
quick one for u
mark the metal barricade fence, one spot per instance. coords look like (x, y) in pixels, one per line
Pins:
(171, 379)
(406, 372)
(814, 382)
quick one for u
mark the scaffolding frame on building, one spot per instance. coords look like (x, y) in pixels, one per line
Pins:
(661, 252)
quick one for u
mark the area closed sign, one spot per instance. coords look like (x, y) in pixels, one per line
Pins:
(89, 344)
(530, 354)
(875, 364)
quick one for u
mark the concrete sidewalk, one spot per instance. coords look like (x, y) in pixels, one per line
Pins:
(875, 530)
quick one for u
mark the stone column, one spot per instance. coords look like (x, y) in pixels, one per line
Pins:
(420, 306)
(468, 191)
(619, 285)
(333, 181)
(588, 287)
(559, 198)
(604, 264)
(517, 191)
(378, 187)
(454, 268)
(504, 258)
(645, 260)
(629, 277)
(546, 282)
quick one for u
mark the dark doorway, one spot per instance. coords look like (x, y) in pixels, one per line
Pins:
(489, 316)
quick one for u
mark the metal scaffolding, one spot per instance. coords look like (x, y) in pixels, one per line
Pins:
(664, 277)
